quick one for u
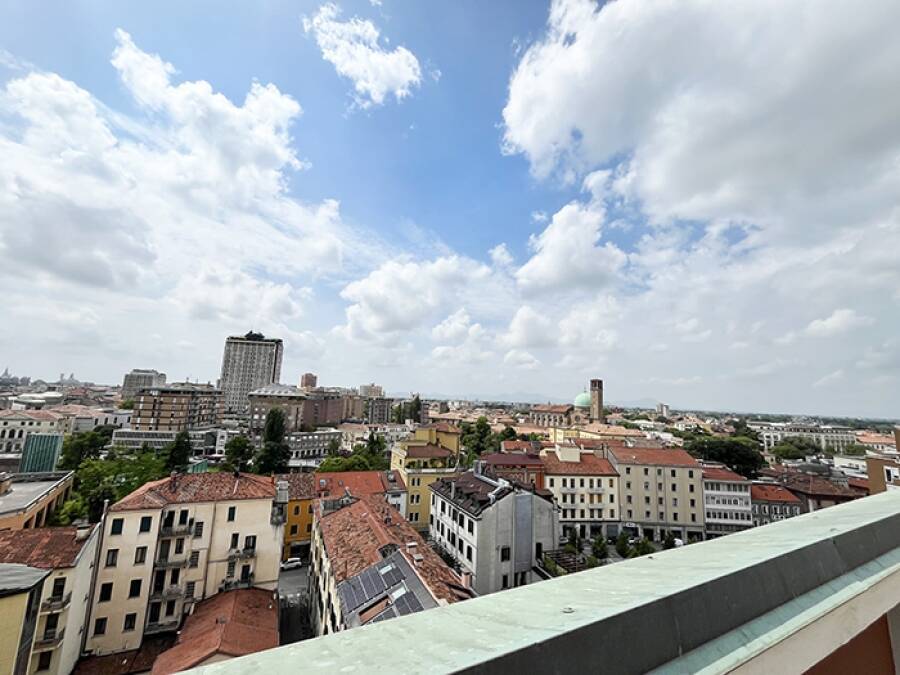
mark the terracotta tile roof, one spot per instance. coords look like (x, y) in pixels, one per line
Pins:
(197, 487)
(445, 428)
(654, 456)
(816, 486)
(859, 484)
(300, 485)
(721, 473)
(354, 535)
(427, 451)
(553, 409)
(359, 483)
(46, 548)
(519, 446)
(126, 663)
(512, 459)
(772, 493)
(611, 430)
(45, 415)
(232, 623)
(588, 465)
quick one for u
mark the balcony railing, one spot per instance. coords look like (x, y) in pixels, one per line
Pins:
(596, 490)
(56, 603)
(568, 490)
(777, 598)
(242, 582)
(50, 638)
(167, 593)
(242, 553)
(160, 626)
(175, 530)
(170, 562)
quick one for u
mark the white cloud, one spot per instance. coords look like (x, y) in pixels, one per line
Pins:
(840, 321)
(455, 327)
(521, 359)
(353, 48)
(567, 255)
(830, 378)
(529, 328)
(500, 256)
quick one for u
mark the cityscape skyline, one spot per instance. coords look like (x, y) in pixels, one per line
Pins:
(401, 210)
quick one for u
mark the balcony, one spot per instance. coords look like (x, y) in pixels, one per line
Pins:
(167, 593)
(56, 603)
(596, 490)
(242, 553)
(779, 598)
(176, 530)
(231, 584)
(154, 627)
(568, 490)
(50, 639)
(181, 561)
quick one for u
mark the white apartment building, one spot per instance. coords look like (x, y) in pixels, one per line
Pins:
(496, 530)
(827, 437)
(68, 554)
(249, 362)
(585, 486)
(179, 540)
(15, 425)
(726, 499)
(309, 448)
(138, 379)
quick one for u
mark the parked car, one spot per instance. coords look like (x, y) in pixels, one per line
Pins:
(291, 564)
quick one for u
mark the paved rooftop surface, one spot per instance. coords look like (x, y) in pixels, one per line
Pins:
(686, 598)
(21, 494)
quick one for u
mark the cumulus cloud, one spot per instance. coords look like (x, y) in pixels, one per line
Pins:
(529, 328)
(521, 359)
(353, 47)
(840, 321)
(501, 256)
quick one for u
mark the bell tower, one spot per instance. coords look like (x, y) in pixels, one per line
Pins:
(597, 401)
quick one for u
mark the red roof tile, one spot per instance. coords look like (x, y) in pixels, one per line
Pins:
(233, 623)
(654, 456)
(427, 451)
(197, 487)
(590, 465)
(512, 459)
(46, 548)
(553, 409)
(772, 493)
(354, 535)
(721, 473)
(300, 485)
(518, 446)
(359, 483)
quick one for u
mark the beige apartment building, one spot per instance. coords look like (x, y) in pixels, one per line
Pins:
(176, 541)
(177, 407)
(67, 555)
(420, 465)
(585, 486)
(660, 491)
(15, 425)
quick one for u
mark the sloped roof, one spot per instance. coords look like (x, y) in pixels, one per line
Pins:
(512, 459)
(721, 473)
(427, 451)
(197, 487)
(772, 493)
(232, 623)
(358, 483)
(588, 465)
(654, 456)
(46, 548)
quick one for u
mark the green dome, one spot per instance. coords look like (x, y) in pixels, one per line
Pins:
(583, 400)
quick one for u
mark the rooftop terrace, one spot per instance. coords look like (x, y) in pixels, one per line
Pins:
(778, 598)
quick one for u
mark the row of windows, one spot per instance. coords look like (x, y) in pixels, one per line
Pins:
(660, 486)
(570, 482)
(662, 516)
(660, 501)
(728, 515)
(295, 529)
(659, 472)
(140, 554)
(571, 513)
(776, 508)
(570, 499)
(727, 487)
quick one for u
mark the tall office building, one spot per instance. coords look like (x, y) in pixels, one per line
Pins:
(597, 401)
(179, 406)
(250, 361)
(308, 381)
(138, 379)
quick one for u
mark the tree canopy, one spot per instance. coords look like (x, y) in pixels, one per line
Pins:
(177, 454)
(795, 447)
(738, 454)
(275, 452)
(83, 445)
(365, 457)
(238, 454)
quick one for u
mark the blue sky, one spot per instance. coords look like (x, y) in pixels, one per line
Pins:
(476, 198)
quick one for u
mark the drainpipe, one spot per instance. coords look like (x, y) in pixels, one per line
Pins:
(93, 584)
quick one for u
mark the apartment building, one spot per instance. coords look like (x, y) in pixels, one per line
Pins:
(660, 491)
(585, 486)
(378, 410)
(20, 593)
(303, 409)
(310, 448)
(74, 417)
(15, 425)
(496, 530)
(249, 362)
(138, 379)
(419, 466)
(179, 406)
(353, 433)
(827, 437)
(522, 467)
(771, 502)
(176, 541)
(883, 474)
(26, 499)
(203, 441)
(369, 564)
(726, 499)
(67, 555)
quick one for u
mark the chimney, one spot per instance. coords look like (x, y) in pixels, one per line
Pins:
(173, 480)
(82, 530)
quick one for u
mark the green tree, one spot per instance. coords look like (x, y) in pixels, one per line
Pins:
(127, 404)
(238, 454)
(178, 453)
(669, 541)
(643, 547)
(415, 409)
(274, 454)
(114, 477)
(356, 462)
(334, 448)
(795, 447)
(83, 445)
(591, 561)
(855, 449)
(476, 438)
(622, 546)
(599, 548)
(738, 454)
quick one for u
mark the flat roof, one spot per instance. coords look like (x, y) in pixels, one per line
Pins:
(15, 578)
(23, 493)
(673, 603)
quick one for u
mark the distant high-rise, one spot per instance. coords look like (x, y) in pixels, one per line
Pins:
(308, 381)
(371, 390)
(597, 401)
(250, 361)
(138, 379)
